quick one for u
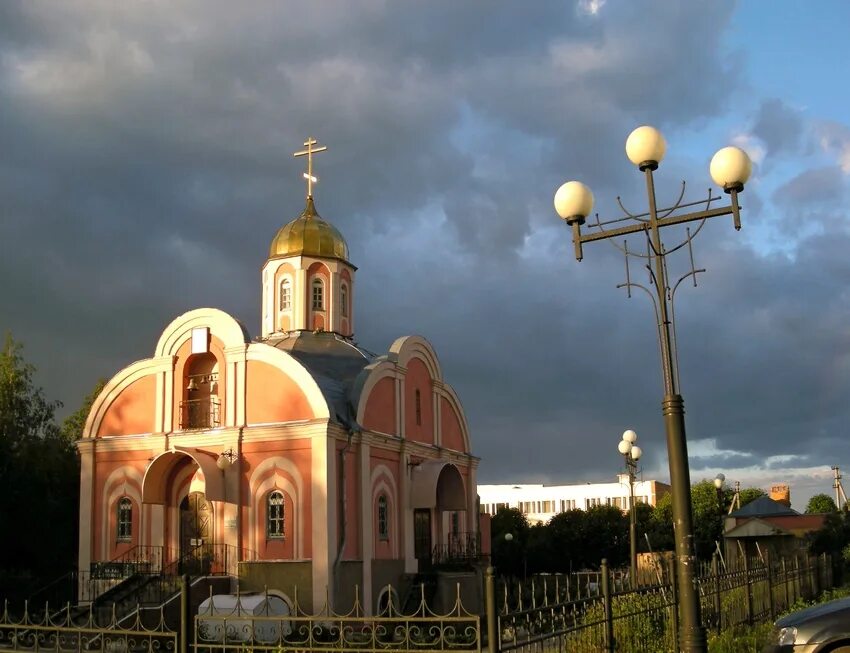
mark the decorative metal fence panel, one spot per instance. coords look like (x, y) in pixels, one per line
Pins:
(72, 629)
(254, 622)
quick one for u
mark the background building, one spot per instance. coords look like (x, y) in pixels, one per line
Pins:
(539, 503)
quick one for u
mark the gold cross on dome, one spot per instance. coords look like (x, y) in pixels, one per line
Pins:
(310, 151)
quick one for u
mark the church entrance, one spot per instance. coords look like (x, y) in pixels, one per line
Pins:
(422, 537)
(196, 550)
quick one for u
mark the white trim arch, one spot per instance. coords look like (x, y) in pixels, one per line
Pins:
(154, 483)
(258, 489)
(407, 347)
(381, 488)
(257, 521)
(124, 481)
(448, 393)
(366, 382)
(117, 384)
(223, 326)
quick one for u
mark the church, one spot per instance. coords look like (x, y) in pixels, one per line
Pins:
(296, 460)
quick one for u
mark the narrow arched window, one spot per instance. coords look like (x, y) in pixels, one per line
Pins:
(418, 401)
(318, 295)
(343, 299)
(383, 518)
(124, 520)
(285, 295)
(275, 513)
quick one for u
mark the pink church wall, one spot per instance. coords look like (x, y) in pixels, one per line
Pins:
(345, 277)
(106, 464)
(418, 379)
(133, 410)
(380, 407)
(272, 397)
(450, 431)
(299, 453)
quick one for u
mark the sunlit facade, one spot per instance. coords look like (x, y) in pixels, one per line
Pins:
(539, 503)
(297, 459)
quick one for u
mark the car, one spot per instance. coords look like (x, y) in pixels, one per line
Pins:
(818, 629)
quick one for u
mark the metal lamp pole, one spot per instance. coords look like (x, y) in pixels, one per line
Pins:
(730, 168)
(718, 485)
(631, 453)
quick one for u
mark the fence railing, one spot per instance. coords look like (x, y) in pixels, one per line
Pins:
(548, 617)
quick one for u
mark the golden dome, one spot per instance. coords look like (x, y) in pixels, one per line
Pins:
(309, 235)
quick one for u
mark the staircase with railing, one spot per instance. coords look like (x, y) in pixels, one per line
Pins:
(144, 576)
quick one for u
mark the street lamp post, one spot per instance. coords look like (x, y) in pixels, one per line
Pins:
(631, 453)
(730, 168)
(718, 485)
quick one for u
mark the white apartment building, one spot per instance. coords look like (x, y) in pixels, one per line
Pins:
(539, 503)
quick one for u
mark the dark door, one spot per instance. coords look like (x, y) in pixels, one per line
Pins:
(195, 532)
(422, 536)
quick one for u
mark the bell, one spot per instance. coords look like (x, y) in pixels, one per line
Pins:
(193, 385)
(213, 387)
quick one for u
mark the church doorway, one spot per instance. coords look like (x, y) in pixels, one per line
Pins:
(422, 536)
(196, 549)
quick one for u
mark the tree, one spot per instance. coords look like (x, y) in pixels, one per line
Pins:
(39, 480)
(820, 504)
(751, 494)
(508, 541)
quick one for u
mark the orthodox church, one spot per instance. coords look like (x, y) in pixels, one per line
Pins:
(293, 460)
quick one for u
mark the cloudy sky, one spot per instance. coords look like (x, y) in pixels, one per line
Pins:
(146, 163)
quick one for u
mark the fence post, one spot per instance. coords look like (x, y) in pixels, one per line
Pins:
(784, 567)
(184, 614)
(798, 577)
(715, 571)
(769, 564)
(674, 597)
(490, 599)
(749, 587)
(609, 613)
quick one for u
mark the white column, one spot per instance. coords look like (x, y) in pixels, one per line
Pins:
(323, 503)
(300, 297)
(87, 471)
(366, 527)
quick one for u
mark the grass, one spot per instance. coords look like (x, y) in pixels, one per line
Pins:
(751, 639)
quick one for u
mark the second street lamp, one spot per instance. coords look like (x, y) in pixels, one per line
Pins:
(730, 168)
(631, 452)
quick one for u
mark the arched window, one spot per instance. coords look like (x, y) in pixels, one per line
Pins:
(318, 294)
(285, 295)
(275, 513)
(383, 518)
(418, 400)
(124, 522)
(343, 299)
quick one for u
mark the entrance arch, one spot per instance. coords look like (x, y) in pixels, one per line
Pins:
(155, 482)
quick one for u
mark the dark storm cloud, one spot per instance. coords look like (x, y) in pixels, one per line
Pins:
(779, 126)
(147, 164)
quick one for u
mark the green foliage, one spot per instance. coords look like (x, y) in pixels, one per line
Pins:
(820, 503)
(751, 494)
(739, 639)
(509, 554)
(39, 479)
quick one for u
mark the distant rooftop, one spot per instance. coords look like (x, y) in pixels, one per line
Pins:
(763, 507)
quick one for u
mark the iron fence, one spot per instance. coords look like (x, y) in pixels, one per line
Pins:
(547, 617)
(254, 622)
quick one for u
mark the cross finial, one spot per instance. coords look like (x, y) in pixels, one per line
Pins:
(310, 151)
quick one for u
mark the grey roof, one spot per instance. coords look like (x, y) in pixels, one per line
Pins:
(763, 507)
(333, 362)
